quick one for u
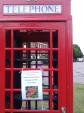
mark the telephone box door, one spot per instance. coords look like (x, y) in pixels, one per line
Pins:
(40, 47)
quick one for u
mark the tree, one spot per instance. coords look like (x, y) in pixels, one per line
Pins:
(77, 53)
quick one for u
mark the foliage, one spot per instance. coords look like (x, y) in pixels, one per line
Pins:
(77, 53)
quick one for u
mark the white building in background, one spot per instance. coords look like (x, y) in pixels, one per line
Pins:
(80, 59)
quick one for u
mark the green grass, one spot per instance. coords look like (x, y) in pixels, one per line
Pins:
(78, 98)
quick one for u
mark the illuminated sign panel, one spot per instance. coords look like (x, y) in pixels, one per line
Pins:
(32, 9)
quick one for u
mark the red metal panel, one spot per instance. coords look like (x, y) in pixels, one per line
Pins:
(33, 111)
(62, 69)
(2, 70)
(69, 69)
(32, 25)
(61, 23)
(42, 17)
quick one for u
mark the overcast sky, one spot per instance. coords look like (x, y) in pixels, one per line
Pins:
(78, 22)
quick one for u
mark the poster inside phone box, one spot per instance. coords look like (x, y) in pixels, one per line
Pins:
(31, 85)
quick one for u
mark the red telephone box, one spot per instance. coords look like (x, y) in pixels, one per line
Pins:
(36, 35)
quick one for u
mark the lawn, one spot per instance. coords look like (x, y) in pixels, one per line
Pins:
(78, 98)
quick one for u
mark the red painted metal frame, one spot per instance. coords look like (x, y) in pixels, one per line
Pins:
(69, 69)
(61, 62)
(2, 70)
(61, 22)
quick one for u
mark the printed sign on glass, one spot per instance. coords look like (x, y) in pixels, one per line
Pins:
(31, 85)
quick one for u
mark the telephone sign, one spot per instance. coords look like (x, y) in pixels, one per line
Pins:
(31, 9)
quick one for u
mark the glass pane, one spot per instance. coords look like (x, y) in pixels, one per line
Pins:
(18, 59)
(8, 79)
(55, 101)
(55, 39)
(55, 59)
(7, 100)
(8, 59)
(31, 39)
(32, 104)
(45, 81)
(45, 73)
(43, 105)
(8, 39)
(17, 98)
(55, 80)
(17, 79)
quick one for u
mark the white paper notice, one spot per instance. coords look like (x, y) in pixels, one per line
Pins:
(31, 85)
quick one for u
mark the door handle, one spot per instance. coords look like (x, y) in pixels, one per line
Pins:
(63, 109)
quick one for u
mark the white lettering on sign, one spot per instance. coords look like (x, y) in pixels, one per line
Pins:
(31, 9)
